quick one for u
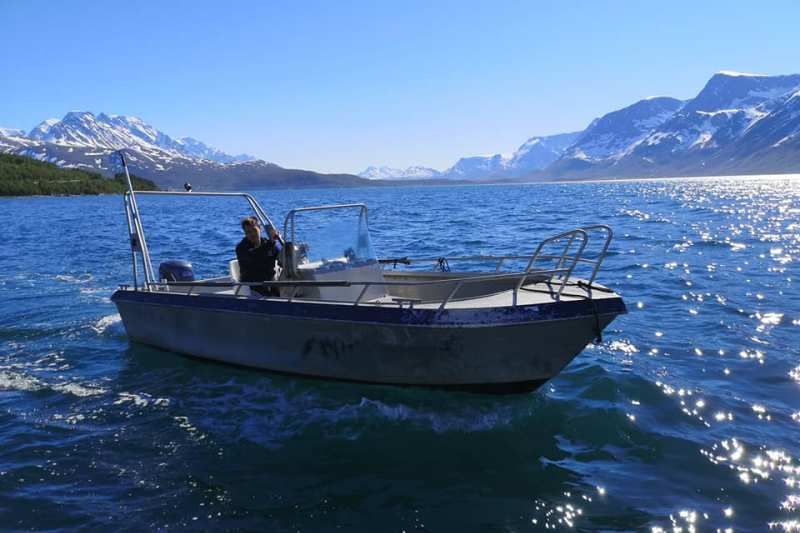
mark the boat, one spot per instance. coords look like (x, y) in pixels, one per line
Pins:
(338, 312)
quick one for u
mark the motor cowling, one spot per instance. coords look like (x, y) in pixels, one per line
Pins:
(175, 270)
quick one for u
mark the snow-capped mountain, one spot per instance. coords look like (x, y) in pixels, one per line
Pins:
(536, 153)
(732, 125)
(84, 140)
(195, 148)
(780, 128)
(771, 142)
(737, 123)
(389, 173)
(11, 132)
(735, 90)
(116, 132)
(697, 137)
(611, 135)
(478, 167)
(726, 107)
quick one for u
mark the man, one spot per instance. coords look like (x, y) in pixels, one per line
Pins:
(257, 255)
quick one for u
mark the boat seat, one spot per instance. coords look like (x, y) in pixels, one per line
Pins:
(233, 267)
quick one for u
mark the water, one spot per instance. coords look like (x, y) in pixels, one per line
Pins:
(688, 413)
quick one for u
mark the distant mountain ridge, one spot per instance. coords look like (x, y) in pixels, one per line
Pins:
(116, 132)
(379, 173)
(87, 141)
(738, 123)
(720, 131)
(534, 154)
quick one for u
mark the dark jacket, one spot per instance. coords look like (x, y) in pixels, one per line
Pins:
(257, 263)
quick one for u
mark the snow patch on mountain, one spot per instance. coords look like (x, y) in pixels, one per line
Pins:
(534, 154)
(726, 91)
(390, 173)
(736, 74)
(726, 113)
(11, 132)
(612, 136)
(538, 152)
(196, 148)
(116, 132)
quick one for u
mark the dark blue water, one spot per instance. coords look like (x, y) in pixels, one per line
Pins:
(687, 415)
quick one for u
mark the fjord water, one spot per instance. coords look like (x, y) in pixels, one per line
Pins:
(687, 414)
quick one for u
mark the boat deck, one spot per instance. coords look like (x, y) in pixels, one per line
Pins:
(531, 294)
(535, 293)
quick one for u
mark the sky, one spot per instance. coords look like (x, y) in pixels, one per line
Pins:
(338, 85)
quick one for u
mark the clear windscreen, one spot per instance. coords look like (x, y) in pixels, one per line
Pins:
(338, 235)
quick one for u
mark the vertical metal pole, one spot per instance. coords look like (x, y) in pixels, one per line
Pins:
(585, 238)
(148, 268)
(602, 255)
(130, 243)
(262, 215)
(563, 255)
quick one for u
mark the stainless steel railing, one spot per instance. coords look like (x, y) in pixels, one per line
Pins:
(521, 278)
(136, 230)
(572, 255)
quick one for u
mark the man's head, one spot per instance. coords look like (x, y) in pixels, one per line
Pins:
(252, 230)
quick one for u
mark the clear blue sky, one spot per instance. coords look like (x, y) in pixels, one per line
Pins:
(339, 85)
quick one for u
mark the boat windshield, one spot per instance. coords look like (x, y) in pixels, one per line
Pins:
(331, 235)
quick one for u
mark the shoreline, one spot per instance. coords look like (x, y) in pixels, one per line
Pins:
(462, 183)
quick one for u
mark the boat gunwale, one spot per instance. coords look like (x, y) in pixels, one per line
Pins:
(346, 312)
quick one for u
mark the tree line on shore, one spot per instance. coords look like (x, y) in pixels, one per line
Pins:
(24, 176)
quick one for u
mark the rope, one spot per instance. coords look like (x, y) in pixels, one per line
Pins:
(394, 261)
(598, 331)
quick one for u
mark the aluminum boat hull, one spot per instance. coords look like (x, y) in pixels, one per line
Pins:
(509, 349)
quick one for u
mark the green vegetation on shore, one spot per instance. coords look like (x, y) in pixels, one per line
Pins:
(23, 176)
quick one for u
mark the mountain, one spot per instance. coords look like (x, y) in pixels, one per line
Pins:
(116, 132)
(195, 148)
(772, 142)
(735, 90)
(536, 153)
(478, 167)
(384, 173)
(716, 118)
(86, 141)
(611, 135)
(11, 132)
(736, 124)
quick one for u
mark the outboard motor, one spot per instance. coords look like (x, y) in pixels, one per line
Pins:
(175, 270)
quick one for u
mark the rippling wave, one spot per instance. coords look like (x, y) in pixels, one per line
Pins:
(687, 415)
